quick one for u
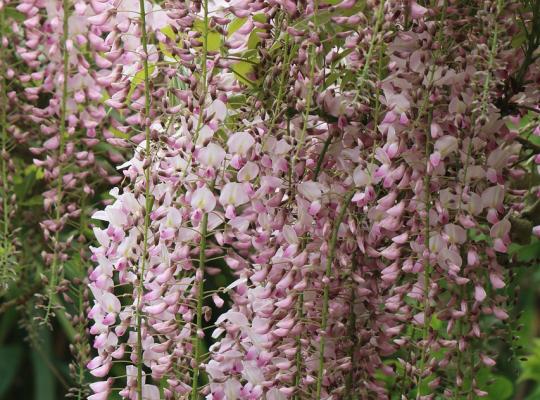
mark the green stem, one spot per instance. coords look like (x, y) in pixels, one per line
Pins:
(309, 97)
(200, 299)
(284, 71)
(300, 300)
(3, 127)
(320, 160)
(351, 331)
(56, 262)
(367, 63)
(204, 221)
(148, 198)
(427, 200)
(378, 23)
(298, 340)
(204, 78)
(533, 42)
(459, 368)
(326, 290)
(427, 263)
(485, 96)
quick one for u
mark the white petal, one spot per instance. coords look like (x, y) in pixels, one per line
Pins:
(212, 155)
(361, 177)
(233, 193)
(248, 172)
(310, 190)
(203, 199)
(219, 109)
(240, 143)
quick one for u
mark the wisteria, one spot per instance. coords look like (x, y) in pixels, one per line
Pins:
(270, 199)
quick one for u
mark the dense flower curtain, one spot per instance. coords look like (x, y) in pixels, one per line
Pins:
(272, 199)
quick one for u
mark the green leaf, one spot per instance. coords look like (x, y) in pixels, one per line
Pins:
(531, 366)
(253, 39)
(164, 50)
(342, 55)
(214, 41)
(518, 40)
(9, 318)
(527, 252)
(14, 14)
(262, 18)
(236, 101)
(501, 389)
(435, 323)
(242, 70)
(331, 79)
(10, 359)
(25, 182)
(324, 17)
(44, 380)
(139, 79)
(214, 38)
(36, 200)
(118, 133)
(534, 395)
(236, 24)
(168, 31)
(347, 78)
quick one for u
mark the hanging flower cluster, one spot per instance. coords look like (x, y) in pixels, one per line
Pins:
(360, 197)
(57, 72)
(60, 102)
(9, 134)
(321, 196)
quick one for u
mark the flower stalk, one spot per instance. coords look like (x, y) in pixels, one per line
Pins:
(56, 265)
(200, 298)
(4, 263)
(147, 195)
(326, 288)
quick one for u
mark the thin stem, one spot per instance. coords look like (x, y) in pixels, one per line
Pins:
(298, 340)
(204, 78)
(3, 127)
(459, 327)
(485, 97)
(326, 291)
(427, 200)
(61, 150)
(200, 298)
(284, 70)
(320, 160)
(351, 331)
(204, 224)
(300, 299)
(309, 98)
(427, 263)
(367, 63)
(148, 198)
